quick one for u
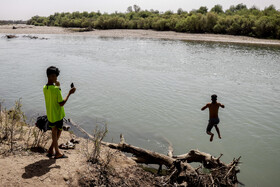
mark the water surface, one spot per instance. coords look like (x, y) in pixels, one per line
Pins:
(152, 91)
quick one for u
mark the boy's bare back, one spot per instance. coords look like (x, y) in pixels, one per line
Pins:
(213, 109)
(213, 116)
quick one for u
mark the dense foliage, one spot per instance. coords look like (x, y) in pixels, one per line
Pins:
(237, 20)
(6, 22)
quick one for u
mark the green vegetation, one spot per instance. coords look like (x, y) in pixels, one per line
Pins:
(7, 22)
(237, 20)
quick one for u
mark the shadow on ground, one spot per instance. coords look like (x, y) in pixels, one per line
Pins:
(39, 168)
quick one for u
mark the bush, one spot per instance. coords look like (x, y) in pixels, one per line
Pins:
(211, 21)
(264, 27)
(237, 20)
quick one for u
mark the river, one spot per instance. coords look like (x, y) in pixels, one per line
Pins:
(152, 91)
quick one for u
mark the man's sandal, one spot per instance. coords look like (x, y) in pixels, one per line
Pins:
(60, 157)
(50, 155)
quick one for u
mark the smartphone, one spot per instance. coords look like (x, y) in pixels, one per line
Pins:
(72, 85)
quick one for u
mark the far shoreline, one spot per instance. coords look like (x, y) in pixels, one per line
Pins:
(139, 33)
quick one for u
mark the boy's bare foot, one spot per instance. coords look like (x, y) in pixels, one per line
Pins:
(211, 138)
(220, 137)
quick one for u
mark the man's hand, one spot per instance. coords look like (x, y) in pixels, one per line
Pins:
(72, 90)
(57, 83)
(206, 106)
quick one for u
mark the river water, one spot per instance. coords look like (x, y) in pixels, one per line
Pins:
(152, 91)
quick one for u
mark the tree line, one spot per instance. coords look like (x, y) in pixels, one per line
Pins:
(237, 20)
(7, 22)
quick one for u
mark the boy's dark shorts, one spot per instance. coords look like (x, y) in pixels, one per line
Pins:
(57, 124)
(212, 122)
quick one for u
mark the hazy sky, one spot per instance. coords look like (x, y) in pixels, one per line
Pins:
(25, 9)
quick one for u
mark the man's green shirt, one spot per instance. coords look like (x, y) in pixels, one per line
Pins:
(53, 97)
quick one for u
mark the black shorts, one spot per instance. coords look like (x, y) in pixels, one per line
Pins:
(57, 124)
(212, 122)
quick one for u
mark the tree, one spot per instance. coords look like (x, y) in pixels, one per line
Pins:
(129, 9)
(180, 11)
(218, 9)
(202, 10)
(211, 21)
(181, 25)
(240, 7)
(192, 23)
(270, 8)
(144, 14)
(264, 27)
(268, 11)
(85, 14)
(168, 13)
(136, 8)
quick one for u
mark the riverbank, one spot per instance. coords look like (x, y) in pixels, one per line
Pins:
(146, 34)
(90, 162)
(24, 162)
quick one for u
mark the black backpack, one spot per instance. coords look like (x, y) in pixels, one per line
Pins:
(42, 123)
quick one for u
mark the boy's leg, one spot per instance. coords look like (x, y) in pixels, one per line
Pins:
(54, 139)
(52, 145)
(211, 134)
(218, 131)
(58, 134)
(208, 131)
(59, 128)
(50, 151)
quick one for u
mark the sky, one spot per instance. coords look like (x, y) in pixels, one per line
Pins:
(25, 9)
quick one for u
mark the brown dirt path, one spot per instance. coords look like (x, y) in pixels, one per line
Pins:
(38, 170)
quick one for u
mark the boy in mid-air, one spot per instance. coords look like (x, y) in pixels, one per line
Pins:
(55, 110)
(213, 116)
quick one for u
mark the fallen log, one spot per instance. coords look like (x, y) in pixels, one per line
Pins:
(71, 122)
(181, 173)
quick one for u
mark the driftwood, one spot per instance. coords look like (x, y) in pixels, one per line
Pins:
(181, 173)
(9, 36)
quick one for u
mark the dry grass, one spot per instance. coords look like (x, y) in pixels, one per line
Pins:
(99, 134)
(16, 135)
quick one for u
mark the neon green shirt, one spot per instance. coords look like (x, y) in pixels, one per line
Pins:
(53, 97)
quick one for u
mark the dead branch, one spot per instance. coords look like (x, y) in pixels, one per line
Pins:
(181, 172)
(206, 159)
(146, 156)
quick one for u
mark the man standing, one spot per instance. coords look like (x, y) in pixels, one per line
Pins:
(213, 116)
(55, 110)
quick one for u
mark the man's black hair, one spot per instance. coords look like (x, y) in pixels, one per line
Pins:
(53, 70)
(214, 97)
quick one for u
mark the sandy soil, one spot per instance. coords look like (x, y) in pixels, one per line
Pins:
(27, 168)
(170, 35)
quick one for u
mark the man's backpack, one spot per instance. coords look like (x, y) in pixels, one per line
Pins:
(42, 123)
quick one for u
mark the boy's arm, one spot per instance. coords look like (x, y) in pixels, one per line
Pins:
(206, 106)
(221, 105)
(71, 91)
